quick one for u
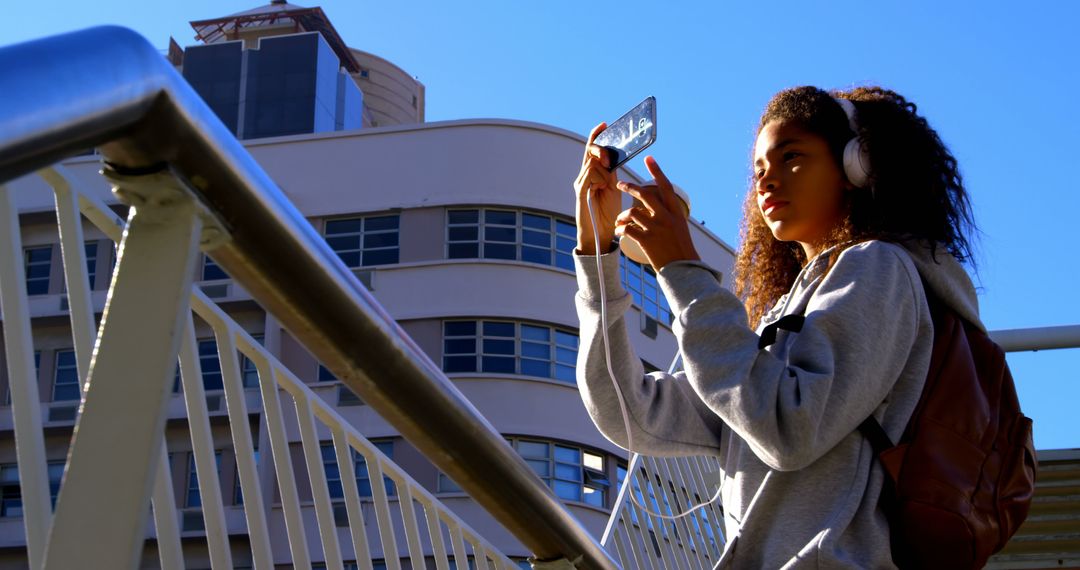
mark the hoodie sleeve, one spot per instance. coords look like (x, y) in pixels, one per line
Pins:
(666, 416)
(861, 326)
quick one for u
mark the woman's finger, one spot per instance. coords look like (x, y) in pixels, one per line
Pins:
(666, 191)
(592, 136)
(648, 195)
(634, 231)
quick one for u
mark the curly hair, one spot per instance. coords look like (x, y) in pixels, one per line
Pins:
(915, 193)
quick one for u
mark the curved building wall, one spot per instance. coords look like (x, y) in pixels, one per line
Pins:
(391, 96)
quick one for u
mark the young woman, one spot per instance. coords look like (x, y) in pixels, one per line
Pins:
(848, 248)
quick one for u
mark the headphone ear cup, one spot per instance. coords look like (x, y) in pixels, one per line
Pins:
(856, 163)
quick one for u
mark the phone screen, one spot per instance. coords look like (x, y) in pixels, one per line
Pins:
(630, 134)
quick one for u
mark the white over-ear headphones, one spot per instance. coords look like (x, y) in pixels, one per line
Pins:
(856, 157)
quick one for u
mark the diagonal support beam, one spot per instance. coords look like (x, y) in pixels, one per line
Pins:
(104, 503)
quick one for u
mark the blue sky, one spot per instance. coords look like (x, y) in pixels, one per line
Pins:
(997, 80)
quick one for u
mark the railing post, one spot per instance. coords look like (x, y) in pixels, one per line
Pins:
(102, 510)
(22, 381)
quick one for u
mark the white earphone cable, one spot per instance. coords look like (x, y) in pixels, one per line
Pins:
(618, 388)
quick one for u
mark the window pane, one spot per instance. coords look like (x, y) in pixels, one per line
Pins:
(459, 346)
(350, 226)
(533, 255)
(565, 373)
(535, 221)
(37, 271)
(594, 461)
(350, 259)
(540, 467)
(594, 497)
(380, 257)
(381, 223)
(344, 243)
(494, 328)
(494, 233)
(500, 251)
(459, 364)
(463, 251)
(387, 239)
(499, 364)
(567, 454)
(565, 356)
(465, 233)
(39, 254)
(500, 217)
(540, 368)
(463, 216)
(460, 328)
(566, 339)
(492, 346)
(533, 237)
(530, 332)
(535, 350)
(564, 261)
(565, 228)
(569, 491)
(533, 448)
(568, 472)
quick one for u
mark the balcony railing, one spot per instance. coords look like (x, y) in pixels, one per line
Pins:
(191, 185)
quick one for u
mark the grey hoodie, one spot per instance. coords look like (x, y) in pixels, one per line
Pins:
(800, 483)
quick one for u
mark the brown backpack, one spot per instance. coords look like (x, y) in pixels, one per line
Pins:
(961, 479)
(962, 476)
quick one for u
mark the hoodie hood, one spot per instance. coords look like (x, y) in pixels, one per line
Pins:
(947, 280)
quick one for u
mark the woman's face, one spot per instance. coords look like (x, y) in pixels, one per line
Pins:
(800, 187)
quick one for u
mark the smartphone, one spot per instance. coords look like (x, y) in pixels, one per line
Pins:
(630, 134)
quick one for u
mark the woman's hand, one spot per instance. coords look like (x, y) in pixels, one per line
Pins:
(607, 200)
(657, 221)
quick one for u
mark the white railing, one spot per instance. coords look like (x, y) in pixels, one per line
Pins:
(667, 486)
(416, 528)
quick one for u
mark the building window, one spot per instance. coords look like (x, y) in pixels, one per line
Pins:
(212, 271)
(324, 375)
(66, 380)
(193, 498)
(91, 262)
(362, 242)
(211, 366)
(640, 281)
(509, 348)
(363, 481)
(447, 485)
(573, 473)
(56, 476)
(38, 265)
(249, 373)
(10, 493)
(509, 234)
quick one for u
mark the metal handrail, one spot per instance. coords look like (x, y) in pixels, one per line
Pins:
(1033, 339)
(144, 117)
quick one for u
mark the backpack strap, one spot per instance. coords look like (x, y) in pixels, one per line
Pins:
(793, 323)
(873, 431)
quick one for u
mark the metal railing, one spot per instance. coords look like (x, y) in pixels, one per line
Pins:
(277, 386)
(191, 184)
